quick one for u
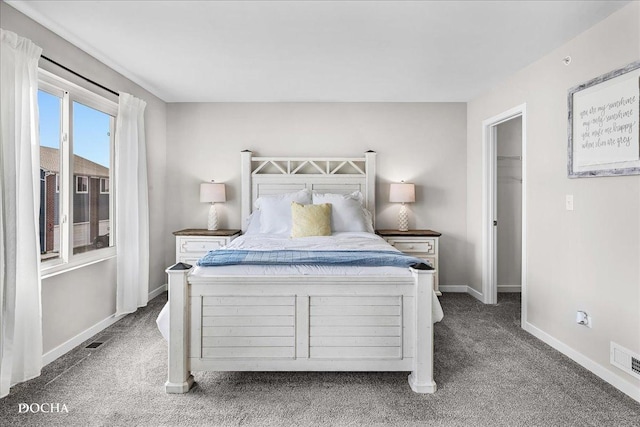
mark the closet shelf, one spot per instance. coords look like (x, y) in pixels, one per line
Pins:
(518, 158)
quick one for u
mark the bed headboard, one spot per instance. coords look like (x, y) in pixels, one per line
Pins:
(275, 175)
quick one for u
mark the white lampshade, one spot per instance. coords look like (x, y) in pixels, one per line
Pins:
(402, 193)
(212, 192)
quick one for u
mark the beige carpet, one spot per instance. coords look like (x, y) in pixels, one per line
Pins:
(489, 373)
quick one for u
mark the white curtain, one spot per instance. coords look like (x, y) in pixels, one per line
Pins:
(20, 308)
(132, 206)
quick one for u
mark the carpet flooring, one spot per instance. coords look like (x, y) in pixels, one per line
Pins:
(489, 373)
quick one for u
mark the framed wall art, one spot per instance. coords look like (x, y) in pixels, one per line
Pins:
(603, 122)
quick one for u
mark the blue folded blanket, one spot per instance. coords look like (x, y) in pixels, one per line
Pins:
(222, 257)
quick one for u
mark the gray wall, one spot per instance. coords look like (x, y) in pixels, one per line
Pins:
(73, 302)
(589, 258)
(424, 143)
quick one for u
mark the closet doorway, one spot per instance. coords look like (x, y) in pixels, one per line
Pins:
(504, 205)
(509, 205)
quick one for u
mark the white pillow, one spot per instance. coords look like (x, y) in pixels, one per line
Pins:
(253, 223)
(368, 219)
(275, 211)
(347, 212)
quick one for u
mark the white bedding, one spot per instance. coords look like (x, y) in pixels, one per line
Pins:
(267, 242)
(338, 241)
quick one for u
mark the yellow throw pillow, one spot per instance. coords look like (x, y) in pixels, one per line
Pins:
(310, 220)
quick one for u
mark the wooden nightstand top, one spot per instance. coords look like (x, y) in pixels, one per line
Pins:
(205, 232)
(410, 233)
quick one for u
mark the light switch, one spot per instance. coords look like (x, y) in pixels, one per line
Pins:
(569, 202)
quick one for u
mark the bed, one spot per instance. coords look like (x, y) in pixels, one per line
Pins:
(301, 317)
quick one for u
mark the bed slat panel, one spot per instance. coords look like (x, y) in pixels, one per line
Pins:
(249, 321)
(356, 321)
(195, 340)
(355, 352)
(251, 326)
(243, 352)
(302, 327)
(248, 331)
(349, 310)
(355, 331)
(249, 300)
(361, 301)
(356, 327)
(356, 341)
(408, 332)
(337, 188)
(208, 342)
(250, 310)
(275, 189)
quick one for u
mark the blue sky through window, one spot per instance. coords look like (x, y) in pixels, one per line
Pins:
(49, 111)
(91, 134)
(90, 129)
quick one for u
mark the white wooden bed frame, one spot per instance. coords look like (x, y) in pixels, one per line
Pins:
(294, 323)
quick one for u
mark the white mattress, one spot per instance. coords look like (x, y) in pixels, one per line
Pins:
(338, 241)
(267, 242)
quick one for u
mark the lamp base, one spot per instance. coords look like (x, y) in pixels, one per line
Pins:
(403, 219)
(212, 220)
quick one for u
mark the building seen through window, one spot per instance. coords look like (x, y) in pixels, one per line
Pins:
(85, 187)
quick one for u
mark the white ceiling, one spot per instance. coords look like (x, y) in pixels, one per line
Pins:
(348, 51)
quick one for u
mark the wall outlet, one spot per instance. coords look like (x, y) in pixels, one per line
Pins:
(569, 202)
(582, 318)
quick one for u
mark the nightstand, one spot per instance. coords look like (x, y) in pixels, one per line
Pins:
(419, 243)
(193, 243)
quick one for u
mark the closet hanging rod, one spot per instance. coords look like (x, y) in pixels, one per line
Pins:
(79, 75)
(510, 178)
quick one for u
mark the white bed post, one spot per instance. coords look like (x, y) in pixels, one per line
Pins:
(245, 173)
(370, 157)
(179, 378)
(421, 378)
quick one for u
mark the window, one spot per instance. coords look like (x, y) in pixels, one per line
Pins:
(82, 184)
(76, 159)
(104, 185)
(50, 106)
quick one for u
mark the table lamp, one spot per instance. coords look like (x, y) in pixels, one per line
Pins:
(212, 192)
(402, 193)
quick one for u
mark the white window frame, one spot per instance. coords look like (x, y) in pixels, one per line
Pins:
(85, 184)
(70, 93)
(57, 183)
(104, 180)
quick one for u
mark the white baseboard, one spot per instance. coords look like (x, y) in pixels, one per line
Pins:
(157, 291)
(626, 387)
(72, 343)
(69, 345)
(462, 289)
(477, 295)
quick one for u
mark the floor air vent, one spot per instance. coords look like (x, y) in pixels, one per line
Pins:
(94, 344)
(625, 359)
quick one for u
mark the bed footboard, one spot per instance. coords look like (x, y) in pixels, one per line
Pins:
(421, 378)
(279, 323)
(179, 378)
